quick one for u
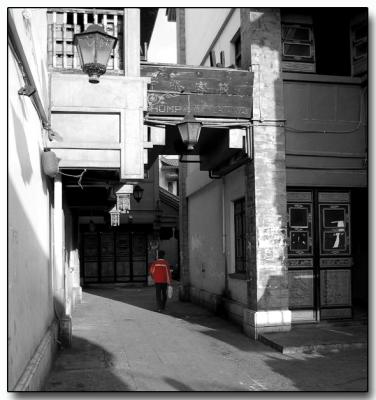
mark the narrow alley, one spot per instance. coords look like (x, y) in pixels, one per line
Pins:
(120, 343)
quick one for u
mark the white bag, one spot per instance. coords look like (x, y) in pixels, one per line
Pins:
(170, 291)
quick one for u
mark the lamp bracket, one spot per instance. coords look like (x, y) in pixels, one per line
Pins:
(27, 90)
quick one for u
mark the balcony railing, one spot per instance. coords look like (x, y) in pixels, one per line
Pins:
(63, 23)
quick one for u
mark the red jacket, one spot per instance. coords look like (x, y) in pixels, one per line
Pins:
(160, 271)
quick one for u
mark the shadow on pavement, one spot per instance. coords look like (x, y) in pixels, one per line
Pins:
(310, 372)
(83, 367)
(209, 324)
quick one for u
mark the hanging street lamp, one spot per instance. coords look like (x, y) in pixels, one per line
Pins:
(115, 217)
(123, 198)
(189, 130)
(94, 47)
(138, 191)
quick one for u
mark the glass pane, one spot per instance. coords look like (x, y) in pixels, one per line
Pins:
(334, 217)
(296, 33)
(298, 218)
(104, 48)
(296, 49)
(86, 48)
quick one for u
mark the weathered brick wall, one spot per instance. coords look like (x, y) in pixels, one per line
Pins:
(266, 177)
(180, 32)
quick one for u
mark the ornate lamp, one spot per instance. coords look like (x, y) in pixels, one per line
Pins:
(123, 199)
(138, 191)
(115, 217)
(94, 47)
(189, 130)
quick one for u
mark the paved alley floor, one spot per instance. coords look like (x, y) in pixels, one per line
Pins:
(120, 343)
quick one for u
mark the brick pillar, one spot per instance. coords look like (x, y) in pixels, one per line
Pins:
(183, 209)
(266, 179)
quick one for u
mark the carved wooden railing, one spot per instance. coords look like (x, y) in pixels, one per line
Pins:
(63, 23)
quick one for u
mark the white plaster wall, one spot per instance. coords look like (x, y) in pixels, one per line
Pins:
(207, 266)
(30, 303)
(31, 26)
(205, 195)
(202, 25)
(224, 41)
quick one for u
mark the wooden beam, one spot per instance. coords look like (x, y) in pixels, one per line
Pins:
(86, 146)
(213, 60)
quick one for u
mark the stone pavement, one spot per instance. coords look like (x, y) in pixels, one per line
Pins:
(120, 343)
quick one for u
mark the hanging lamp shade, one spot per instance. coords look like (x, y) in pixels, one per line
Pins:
(190, 130)
(115, 216)
(94, 48)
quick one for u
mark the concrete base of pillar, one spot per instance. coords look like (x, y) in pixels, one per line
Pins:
(77, 295)
(210, 301)
(184, 293)
(65, 331)
(257, 322)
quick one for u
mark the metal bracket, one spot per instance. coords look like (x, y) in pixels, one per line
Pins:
(27, 90)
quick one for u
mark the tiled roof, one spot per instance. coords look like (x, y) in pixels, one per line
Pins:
(168, 198)
(173, 162)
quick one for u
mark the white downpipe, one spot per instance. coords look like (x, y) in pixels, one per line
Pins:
(59, 274)
(224, 232)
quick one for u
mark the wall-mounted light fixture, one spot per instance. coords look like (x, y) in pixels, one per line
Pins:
(94, 48)
(138, 191)
(190, 129)
(123, 198)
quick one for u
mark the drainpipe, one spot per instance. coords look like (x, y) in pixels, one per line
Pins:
(61, 283)
(30, 88)
(224, 233)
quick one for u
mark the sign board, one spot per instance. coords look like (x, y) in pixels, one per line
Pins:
(206, 92)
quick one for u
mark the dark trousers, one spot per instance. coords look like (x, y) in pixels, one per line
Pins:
(161, 294)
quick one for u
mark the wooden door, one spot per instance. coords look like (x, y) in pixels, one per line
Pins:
(319, 254)
(114, 256)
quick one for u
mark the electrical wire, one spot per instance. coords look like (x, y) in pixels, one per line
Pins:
(75, 176)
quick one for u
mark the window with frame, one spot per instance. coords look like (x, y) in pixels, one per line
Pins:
(297, 43)
(237, 51)
(239, 233)
(359, 47)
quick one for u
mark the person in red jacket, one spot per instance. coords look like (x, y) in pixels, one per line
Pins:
(160, 272)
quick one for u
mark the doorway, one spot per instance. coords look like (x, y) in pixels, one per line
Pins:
(320, 259)
(114, 256)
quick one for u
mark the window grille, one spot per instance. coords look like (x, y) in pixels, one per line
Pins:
(64, 23)
(240, 241)
(359, 48)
